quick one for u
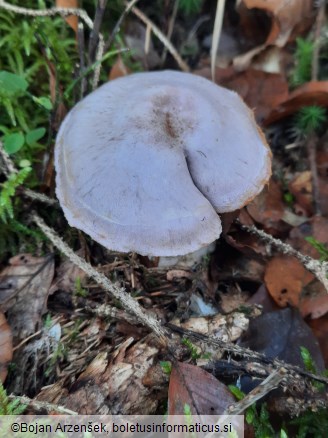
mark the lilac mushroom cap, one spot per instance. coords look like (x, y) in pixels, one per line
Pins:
(145, 162)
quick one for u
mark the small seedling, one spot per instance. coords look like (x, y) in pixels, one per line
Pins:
(9, 407)
(192, 348)
(310, 119)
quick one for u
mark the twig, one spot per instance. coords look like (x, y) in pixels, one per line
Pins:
(317, 40)
(319, 269)
(7, 166)
(118, 24)
(105, 311)
(311, 143)
(170, 29)
(94, 35)
(216, 34)
(246, 353)
(35, 196)
(81, 48)
(128, 303)
(270, 383)
(49, 407)
(162, 38)
(64, 12)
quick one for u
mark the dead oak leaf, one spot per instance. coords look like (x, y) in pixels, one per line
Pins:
(24, 289)
(285, 277)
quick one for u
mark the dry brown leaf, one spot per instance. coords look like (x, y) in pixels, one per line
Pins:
(320, 330)
(286, 16)
(260, 90)
(67, 275)
(314, 307)
(6, 347)
(24, 287)
(301, 187)
(316, 227)
(71, 20)
(268, 208)
(312, 93)
(285, 277)
(202, 392)
(118, 70)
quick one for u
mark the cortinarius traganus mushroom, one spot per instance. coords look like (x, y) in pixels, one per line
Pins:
(147, 161)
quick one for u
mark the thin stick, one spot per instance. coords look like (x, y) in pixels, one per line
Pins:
(311, 143)
(128, 303)
(216, 34)
(94, 35)
(64, 12)
(319, 269)
(317, 40)
(270, 383)
(49, 407)
(170, 29)
(162, 38)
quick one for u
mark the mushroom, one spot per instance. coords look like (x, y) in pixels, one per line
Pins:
(145, 162)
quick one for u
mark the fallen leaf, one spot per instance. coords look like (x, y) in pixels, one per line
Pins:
(286, 16)
(118, 69)
(316, 227)
(260, 90)
(315, 306)
(268, 208)
(311, 93)
(301, 187)
(280, 334)
(67, 275)
(24, 287)
(6, 347)
(71, 20)
(285, 277)
(202, 392)
(320, 330)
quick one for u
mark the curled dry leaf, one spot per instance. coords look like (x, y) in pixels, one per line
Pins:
(6, 347)
(311, 93)
(24, 289)
(286, 16)
(285, 277)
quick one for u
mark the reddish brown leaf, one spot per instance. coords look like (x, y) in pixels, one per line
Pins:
(71, 20)
(268, 208)
(312, 93)
(6, 347)
(202, 392)
(285, 278)
(260, 90)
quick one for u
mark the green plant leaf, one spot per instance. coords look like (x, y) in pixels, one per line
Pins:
(43, 101)
(33, 136)
(11, 84)
(13, 142)
(236, 392)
